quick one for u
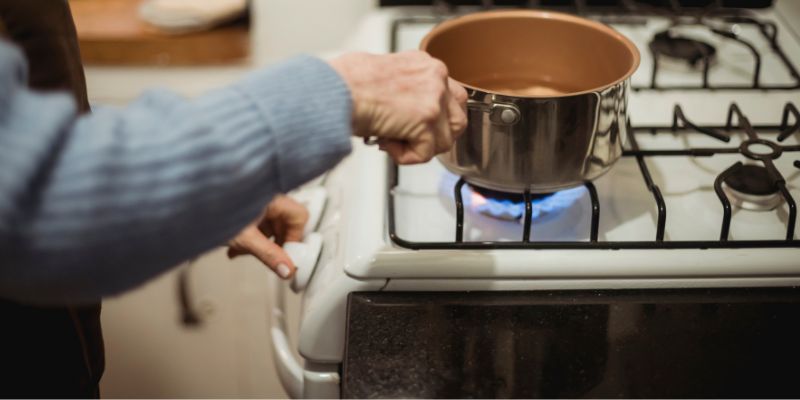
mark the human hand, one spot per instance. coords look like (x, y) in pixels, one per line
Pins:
(283, 218)
(406, 100)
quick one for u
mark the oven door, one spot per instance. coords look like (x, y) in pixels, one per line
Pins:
(695, 343)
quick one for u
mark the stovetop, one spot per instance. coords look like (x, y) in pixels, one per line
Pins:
(662, 193)
(657, 219)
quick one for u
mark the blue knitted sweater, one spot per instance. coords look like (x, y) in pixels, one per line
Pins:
(94, 205)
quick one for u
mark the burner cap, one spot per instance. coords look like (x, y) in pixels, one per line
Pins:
(682, 48)
(513, 197)
(753, 180)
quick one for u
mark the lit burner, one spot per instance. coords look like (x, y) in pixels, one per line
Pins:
(511, 206)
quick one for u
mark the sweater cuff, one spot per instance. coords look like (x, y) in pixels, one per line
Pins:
(308, 107)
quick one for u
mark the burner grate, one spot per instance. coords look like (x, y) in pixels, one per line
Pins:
(680, 124)
(767, 28)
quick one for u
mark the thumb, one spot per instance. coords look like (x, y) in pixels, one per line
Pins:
(268, 252)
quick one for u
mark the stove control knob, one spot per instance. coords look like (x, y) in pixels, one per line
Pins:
(305, 255)
(314, 200)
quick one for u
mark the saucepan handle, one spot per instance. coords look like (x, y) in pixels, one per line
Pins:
(499, 112)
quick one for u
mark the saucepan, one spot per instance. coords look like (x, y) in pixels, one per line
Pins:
(548, 97)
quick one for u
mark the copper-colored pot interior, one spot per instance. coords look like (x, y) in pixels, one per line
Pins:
(532, 53)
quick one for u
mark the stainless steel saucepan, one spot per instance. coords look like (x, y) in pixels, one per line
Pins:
(547, 101)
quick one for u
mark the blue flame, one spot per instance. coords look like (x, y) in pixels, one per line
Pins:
(508, 209)
(512, 210)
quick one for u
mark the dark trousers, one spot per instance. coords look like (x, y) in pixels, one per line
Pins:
(48, 352)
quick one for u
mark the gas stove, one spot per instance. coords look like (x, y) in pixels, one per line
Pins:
(699, 214)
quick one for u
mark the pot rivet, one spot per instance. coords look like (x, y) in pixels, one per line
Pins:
(508, 116)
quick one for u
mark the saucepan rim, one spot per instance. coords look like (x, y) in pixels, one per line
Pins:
(538, 14)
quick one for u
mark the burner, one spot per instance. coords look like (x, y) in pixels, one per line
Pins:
(751, 188)
(510, 206)
(504, 205)
(683, 48)
(502, 196)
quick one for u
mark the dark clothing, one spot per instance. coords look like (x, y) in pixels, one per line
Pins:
(48, 351)
(45, 32)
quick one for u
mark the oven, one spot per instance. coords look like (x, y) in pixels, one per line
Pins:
(673, 275)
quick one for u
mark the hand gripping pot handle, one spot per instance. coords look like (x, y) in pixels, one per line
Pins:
(499, 113)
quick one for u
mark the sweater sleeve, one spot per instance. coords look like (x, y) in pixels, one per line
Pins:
(91, 206)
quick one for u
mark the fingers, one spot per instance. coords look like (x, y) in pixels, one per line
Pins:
(457, 107)
(443, 137)
(253, 241)
(446, 120)
(438, 117)
(407, 100)
(287, 218)
(284, 218)
(435, 134)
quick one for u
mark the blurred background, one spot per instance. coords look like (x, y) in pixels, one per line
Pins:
(191, 46)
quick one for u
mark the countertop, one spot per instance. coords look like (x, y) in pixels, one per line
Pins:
(279, 29)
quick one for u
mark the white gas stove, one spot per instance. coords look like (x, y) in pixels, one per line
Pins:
(676, 211)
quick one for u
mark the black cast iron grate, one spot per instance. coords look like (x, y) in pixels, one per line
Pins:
(679, 124)
(770, 33)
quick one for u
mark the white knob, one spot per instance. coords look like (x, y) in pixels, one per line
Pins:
(304, 255)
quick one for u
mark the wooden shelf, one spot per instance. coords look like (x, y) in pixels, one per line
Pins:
(111, 33)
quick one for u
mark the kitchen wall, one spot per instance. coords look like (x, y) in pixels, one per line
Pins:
(149, 352)
(288, 27)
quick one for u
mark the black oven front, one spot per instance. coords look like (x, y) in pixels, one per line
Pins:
(677, 343)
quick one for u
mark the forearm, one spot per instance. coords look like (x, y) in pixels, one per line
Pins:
(129, 193)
